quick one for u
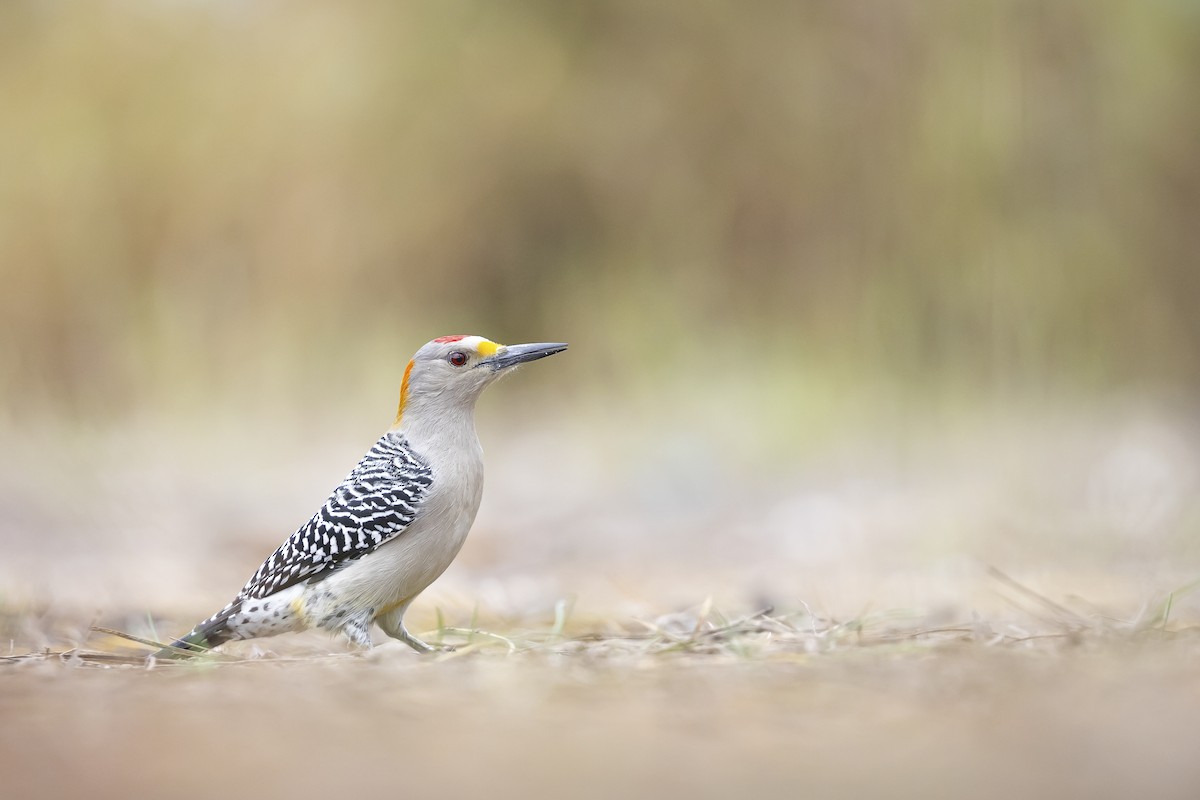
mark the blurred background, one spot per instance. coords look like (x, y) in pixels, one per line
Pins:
(861, 296)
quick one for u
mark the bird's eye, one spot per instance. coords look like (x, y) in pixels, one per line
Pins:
(458, 358)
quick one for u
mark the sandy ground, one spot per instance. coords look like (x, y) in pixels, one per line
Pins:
(895, 662)
(1089, 720)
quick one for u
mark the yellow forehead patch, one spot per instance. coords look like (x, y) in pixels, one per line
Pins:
(488, 348)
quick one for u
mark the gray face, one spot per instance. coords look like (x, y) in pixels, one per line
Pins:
(456, 369)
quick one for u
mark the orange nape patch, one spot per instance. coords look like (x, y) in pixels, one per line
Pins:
(403, 393)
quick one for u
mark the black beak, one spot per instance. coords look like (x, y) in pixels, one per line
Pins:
(515, 354)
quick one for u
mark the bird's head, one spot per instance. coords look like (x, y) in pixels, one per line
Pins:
(451, 371)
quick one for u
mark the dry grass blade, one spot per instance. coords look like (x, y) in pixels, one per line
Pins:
(205, 653)
(1061, 614)
(470, 633)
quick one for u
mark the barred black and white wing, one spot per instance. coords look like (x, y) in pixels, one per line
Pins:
(377, 501)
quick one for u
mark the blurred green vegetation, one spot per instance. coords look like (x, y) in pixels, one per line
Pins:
(987, 197)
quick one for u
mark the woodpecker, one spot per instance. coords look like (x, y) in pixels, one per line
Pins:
(393, 525)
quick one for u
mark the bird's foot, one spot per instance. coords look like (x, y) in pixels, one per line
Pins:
(423, 646)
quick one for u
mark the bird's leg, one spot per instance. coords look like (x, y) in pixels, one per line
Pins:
(392, 623)
(357, 631)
